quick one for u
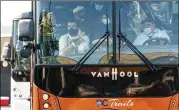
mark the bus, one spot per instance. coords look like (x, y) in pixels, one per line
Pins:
(20, 68)
(103, 55)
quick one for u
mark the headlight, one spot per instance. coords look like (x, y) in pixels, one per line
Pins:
(46, 105)
(19, 73)
(45, 96)
(5, 63)
(173, 103)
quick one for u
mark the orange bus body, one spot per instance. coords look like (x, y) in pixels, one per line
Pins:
(58, 103)
(55, 102)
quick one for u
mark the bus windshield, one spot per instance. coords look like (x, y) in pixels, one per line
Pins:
(68, 30)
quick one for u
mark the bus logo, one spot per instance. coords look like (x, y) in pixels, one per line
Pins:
(115, 74)
(101, 103)
(114, 103)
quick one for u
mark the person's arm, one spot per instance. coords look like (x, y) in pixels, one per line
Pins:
(83, 44)
(68, 49)
(140, 39)
(164, 34)
(74, 39)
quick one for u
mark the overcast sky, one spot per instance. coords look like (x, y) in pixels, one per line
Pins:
(10, 10)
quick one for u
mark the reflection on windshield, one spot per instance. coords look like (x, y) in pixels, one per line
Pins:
(20, 62)
(70, 29)
(85, 84)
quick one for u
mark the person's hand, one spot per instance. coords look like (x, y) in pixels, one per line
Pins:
(73, 39)
(82, 34)
(78, 41)
(95, 41)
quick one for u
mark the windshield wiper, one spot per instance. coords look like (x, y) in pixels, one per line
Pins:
(90, 52)
(122, 37)
(137, 52)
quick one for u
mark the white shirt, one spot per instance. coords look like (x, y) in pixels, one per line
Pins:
(65, 42)
(156, 34)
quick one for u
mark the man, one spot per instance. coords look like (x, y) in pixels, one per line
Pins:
(136, 16)
(101, 9)
(98, 6)
(84, 22)
(74, 41)
(100, 12)
(94, 28)
(100, 19)
(150, 31)
(79, 13)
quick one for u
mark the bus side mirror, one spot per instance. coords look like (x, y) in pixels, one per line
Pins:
(26, 30)
(6, 54)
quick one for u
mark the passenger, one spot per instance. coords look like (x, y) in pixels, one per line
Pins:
(75, 41)
(150, 31)
(92, 27)
(99, 6)
(80, 16)
(136, 16)
(100, 20)
(100, 11)
(84, 21)
(79, 13)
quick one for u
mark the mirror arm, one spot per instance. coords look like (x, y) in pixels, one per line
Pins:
(9, 60)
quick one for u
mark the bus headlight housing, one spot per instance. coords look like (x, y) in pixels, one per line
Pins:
(174, 103)
(48, 101)
(5, 63)
(45, 96)
(46, 105)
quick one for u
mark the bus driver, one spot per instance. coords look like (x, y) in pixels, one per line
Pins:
(150, 31)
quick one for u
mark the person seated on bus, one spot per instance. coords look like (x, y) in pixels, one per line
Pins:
(84, 17)
(74, 41)
(84, 22)
(100, 13)
(100, 22)
(150, 31)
